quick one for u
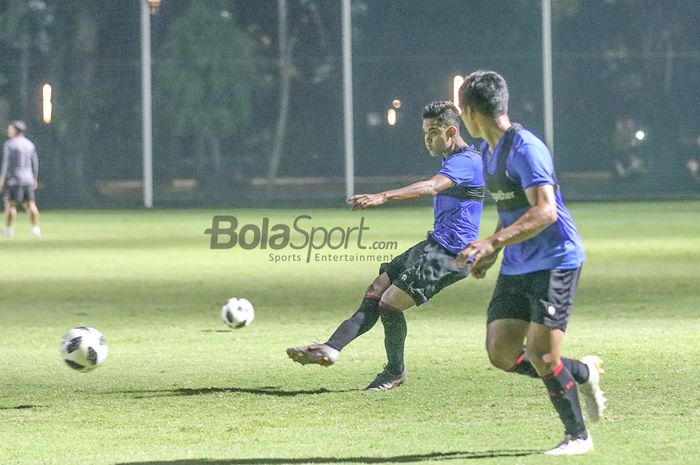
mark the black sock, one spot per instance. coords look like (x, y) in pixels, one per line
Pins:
(362, 321)
(395, 332)
(578, 369)
(564, 397)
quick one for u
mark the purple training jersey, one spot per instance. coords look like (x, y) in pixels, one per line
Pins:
(559, 245)
(458, 209)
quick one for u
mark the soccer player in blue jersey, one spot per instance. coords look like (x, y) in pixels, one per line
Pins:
(422, 271)
(542, 260)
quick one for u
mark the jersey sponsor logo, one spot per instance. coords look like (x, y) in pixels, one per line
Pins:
(500, 195)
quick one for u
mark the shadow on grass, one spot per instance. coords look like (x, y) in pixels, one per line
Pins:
(458, 455)
(22, 407)
(273, 391)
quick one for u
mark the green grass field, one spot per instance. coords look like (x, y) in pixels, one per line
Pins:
(180, 388)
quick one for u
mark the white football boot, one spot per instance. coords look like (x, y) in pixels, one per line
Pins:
(590, 390)
(319, 354)
(573, 446)
(387, 380)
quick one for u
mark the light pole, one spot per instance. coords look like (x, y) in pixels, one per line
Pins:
(547, 73)
(347, 100)
(148, 8)
(457, 82)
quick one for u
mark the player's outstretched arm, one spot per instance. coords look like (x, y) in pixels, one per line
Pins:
(429, 187)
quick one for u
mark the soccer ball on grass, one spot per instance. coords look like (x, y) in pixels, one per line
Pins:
(237, 313)
(84, 349)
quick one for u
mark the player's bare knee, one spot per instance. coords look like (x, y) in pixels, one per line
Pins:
(387, 303)
(380, 284)
(500, 358)
(544, 362)
(374, 290)
(500, 362)
(396, 299)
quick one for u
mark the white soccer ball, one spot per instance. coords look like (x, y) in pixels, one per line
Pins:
(237, 313)
(84, 349)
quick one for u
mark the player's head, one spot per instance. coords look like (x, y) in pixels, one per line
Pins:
(440, 126)
(16, 128)
(484, 95)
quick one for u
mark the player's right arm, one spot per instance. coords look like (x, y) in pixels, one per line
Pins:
(479, 269)
(35, 167)
(429, 187)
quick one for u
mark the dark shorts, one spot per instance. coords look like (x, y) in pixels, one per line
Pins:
(544, 297)
(19, 193)
(423, 270)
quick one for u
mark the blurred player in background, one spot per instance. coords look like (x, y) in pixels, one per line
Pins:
(19, 177)
(541, 264)
(418, 274)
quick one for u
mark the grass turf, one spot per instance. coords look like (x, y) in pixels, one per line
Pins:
(180, 388)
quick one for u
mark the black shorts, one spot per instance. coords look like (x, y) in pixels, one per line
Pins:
(19, 193)
(423, 270)
(544, 297)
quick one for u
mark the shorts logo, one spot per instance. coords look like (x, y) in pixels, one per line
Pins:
(551, 310)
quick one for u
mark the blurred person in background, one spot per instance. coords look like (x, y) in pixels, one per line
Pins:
(627, 141)
(693, 167)
(692, 164)
(19, 175)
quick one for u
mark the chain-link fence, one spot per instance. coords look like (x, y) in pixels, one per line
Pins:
(239, 120)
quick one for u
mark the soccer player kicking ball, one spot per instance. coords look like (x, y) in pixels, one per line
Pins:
(541, 262)
(422, 271)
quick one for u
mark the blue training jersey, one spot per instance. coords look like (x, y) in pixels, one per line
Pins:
(458, 209)
(559, 245)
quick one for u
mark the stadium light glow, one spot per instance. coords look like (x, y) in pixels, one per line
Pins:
(153, 6)
(391, 117)
(46, 106)
(457, 82)
(640, 135)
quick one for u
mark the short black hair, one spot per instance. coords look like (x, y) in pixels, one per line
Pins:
(19, 125)
(444, 112)
(485, 92)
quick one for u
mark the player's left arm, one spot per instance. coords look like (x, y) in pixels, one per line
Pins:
(542, 213)
(429, 187)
